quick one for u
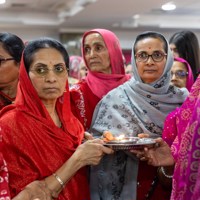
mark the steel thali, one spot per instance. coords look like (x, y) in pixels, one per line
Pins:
(129, 143)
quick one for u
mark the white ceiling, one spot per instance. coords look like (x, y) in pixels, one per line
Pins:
(111, 14)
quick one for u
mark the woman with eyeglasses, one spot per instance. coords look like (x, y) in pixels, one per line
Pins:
(181, 73)
(138, 106)
(41, 137)
(11, 48)
(182, 76)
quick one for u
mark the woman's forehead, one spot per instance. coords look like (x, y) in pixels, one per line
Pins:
(179, 65)
(93, 38)
(149, 44)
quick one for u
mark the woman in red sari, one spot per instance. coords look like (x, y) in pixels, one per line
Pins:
(41, 137)
(102, 54)
(33, 191)
(11, 47)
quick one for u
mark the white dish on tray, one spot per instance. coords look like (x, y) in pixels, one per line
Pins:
(129, 143)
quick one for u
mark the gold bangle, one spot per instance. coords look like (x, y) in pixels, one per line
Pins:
(59, 180)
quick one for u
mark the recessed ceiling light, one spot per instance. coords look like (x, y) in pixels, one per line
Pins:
(169, 6)
(136, 16)
(2, 1)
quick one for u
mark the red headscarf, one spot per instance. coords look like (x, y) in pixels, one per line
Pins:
(34, 147)
(101, 83)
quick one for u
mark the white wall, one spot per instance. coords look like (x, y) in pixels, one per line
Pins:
(126, 37)
(30, 34)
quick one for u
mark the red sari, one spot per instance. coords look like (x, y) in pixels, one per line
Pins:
(4, 190)
(34, 147)
(83, 102)
(149, 187)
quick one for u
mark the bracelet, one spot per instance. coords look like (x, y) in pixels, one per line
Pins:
(59, 180)
(164, 173)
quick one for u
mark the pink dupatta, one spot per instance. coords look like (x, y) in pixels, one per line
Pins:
(99, 83)
(190, 77)
(186, 148)
(173, 123)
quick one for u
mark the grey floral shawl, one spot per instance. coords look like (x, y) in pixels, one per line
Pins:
(132, 108)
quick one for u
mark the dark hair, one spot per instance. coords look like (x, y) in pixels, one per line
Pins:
(43, 43)
(187, 46)
(151, 34)
(12, 44)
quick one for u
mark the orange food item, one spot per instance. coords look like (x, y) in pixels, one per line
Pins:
(108, 136)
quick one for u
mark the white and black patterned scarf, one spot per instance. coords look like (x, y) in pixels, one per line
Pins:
(132, 108)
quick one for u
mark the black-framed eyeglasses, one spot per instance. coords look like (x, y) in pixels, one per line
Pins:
(179, 74)
(157, 56)
(5, 59)
(59, 70)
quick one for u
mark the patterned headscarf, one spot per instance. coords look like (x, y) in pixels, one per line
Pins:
(132, 108)
(147, 104)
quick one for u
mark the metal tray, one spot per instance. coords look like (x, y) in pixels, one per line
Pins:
(130, 143)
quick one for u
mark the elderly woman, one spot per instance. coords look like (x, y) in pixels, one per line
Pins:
(11, 48)
(138, 106)
(102, 54)
(41, 137)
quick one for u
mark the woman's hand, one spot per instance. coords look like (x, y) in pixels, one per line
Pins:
(91, 152)
(36, 190)
(160, 155)
(88, 136)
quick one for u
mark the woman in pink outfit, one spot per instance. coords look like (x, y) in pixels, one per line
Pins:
(171, 122)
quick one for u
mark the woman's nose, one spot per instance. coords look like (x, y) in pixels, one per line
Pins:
(150, 60)
(50, 76)
(92, 52)
(173, 76)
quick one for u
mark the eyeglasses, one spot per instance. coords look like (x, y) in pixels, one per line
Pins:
(5, 59)
(179, 74)
(157, 56)
(59, 70)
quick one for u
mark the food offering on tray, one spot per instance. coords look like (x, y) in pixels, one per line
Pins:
(108, 136)
(122, 142)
